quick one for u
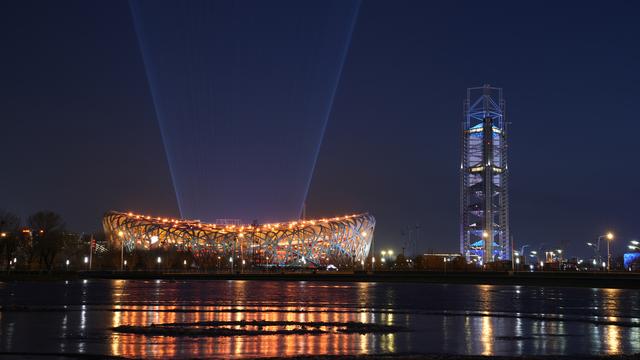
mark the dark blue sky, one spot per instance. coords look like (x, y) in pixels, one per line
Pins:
(80, 133)
(243, 93)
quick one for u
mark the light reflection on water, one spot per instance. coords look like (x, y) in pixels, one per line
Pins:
(266, 345)
(467, 319)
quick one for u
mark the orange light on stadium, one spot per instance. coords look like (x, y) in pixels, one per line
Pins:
(352, 236)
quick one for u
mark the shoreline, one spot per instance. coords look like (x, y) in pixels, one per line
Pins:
(621, 280)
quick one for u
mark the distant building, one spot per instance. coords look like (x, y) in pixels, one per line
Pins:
(484, 198)
(632, 260)
(442, 261)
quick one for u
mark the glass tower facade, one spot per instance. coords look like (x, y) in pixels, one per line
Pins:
(484, 200)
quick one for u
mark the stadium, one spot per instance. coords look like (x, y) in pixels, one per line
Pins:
(340, 241)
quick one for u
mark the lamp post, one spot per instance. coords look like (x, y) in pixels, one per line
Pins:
(523, 254)
(609, 238)
(596, 248)
(121, 235)
(4, 235)
(596, 251)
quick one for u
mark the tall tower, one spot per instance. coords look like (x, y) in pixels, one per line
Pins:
(484, 196)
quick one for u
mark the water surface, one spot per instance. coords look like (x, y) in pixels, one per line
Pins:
(78, 317)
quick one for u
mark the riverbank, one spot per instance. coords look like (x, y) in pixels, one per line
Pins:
(620, 280)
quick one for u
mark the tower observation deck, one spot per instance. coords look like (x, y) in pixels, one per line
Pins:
(484, 197)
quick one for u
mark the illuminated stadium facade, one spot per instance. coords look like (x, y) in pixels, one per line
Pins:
(340, 241)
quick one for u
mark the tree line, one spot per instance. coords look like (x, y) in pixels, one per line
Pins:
(37, 244)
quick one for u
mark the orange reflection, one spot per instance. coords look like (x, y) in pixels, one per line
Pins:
(487, 336)
(612, 336)
(137, 345)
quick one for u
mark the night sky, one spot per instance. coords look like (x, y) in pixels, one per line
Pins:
(82, 132)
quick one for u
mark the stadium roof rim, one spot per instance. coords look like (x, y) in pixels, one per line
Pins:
(168, 220)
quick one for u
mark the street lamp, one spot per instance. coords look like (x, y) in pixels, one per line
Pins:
(121, 235)
(534, 254)
(609, 238)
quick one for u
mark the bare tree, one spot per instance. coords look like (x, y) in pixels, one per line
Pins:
(9, 235)
(48, 236)
(8, 221)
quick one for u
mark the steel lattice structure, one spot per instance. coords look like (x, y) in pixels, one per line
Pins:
(338, 241)
(484, 200)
